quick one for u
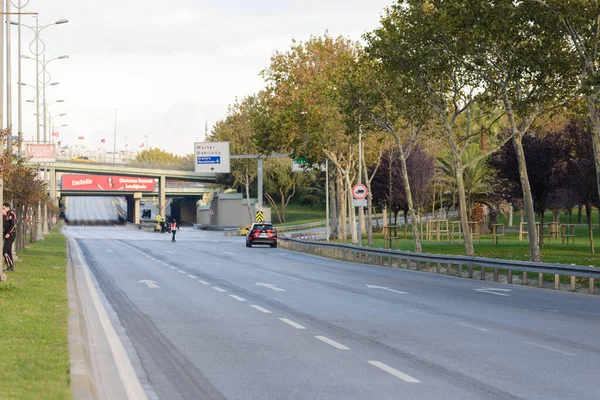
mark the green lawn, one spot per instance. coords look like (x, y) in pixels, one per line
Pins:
(511, 248)
(296, 215)
(34, 354)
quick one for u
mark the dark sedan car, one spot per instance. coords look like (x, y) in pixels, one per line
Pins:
(261, 233)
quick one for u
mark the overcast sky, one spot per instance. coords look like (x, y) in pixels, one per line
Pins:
(168, 66)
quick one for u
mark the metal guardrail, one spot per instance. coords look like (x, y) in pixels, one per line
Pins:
(300, 227)
(454, 265)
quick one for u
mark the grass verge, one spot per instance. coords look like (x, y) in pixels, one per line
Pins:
(34, 312)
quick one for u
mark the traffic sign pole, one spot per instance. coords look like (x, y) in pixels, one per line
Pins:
(360, 183)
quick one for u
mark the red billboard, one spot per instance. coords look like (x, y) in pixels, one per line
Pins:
(107, 182)
(41, 153)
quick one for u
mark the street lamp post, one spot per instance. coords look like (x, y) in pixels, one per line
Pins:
(37, 30)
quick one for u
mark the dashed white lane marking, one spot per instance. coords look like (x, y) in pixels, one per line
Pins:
(474, 327)
(172, 267)
(108, 250)
(229, 253)
(180, 271)
(395, 372)
(541, 346)
(192, 276)
(238, 298)
(292, 323)
(168, 251)
(204, 282)
(259, 308)
(165, 264)
(218, 289)
(333, 343)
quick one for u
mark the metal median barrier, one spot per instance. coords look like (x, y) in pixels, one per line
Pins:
(460, 266)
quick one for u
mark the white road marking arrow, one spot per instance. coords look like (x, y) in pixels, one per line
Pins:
(149, 283)
(494, 291)
(270, 286)
(385, 288)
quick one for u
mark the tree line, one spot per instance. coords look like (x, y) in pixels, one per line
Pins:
(480, 91)
(24, 189)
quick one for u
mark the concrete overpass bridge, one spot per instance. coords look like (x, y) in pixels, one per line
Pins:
(166, 182)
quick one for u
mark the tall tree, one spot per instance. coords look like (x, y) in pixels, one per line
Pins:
(516, 67)
(418, 40)
(580, 24)
(381, 98)
(301, 113)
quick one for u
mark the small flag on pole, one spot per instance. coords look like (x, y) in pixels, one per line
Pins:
(103, 140)
(141, 145)
(81, 138)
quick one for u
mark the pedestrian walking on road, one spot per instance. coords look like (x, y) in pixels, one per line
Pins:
(8, 225)
(174, 229)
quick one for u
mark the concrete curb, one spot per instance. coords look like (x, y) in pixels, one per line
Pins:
(100, 368)
(81, 385)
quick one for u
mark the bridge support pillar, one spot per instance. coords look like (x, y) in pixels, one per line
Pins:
(162, 198)
(136, 207)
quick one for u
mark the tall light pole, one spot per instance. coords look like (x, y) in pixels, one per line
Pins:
(115, 140)
(19, 79)
(36, 41)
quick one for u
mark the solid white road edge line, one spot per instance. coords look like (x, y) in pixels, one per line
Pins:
(238, 298)
(395, 372)
(218, 289)
(541, 346)
(262, 310)
(128, 376)
(333, 343)
(292, 323)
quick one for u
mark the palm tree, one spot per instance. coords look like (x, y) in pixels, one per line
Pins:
(477, 178)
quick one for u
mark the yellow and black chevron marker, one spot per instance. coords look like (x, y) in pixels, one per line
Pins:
(260, 217)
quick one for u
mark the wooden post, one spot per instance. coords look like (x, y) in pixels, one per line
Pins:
(510, 276)
(556, 281)
(470, 271)
(482, 273)
(540, 280)
(573, 283)
(525, 277)
(495, 274)
(592, 287)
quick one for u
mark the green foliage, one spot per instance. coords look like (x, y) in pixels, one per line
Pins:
(160, 157)
(477, 177)
(300, 112)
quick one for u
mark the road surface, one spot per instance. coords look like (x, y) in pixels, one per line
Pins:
(208, 318)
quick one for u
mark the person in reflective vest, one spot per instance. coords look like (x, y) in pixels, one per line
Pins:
(161, 221)
(174, 229)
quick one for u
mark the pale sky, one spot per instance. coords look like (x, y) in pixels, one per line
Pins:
(168, 66)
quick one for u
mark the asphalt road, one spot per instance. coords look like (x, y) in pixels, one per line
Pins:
(208, 318)
(91, 210)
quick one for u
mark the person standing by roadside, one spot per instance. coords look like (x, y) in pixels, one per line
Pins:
(10, 219)
(174, 229)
